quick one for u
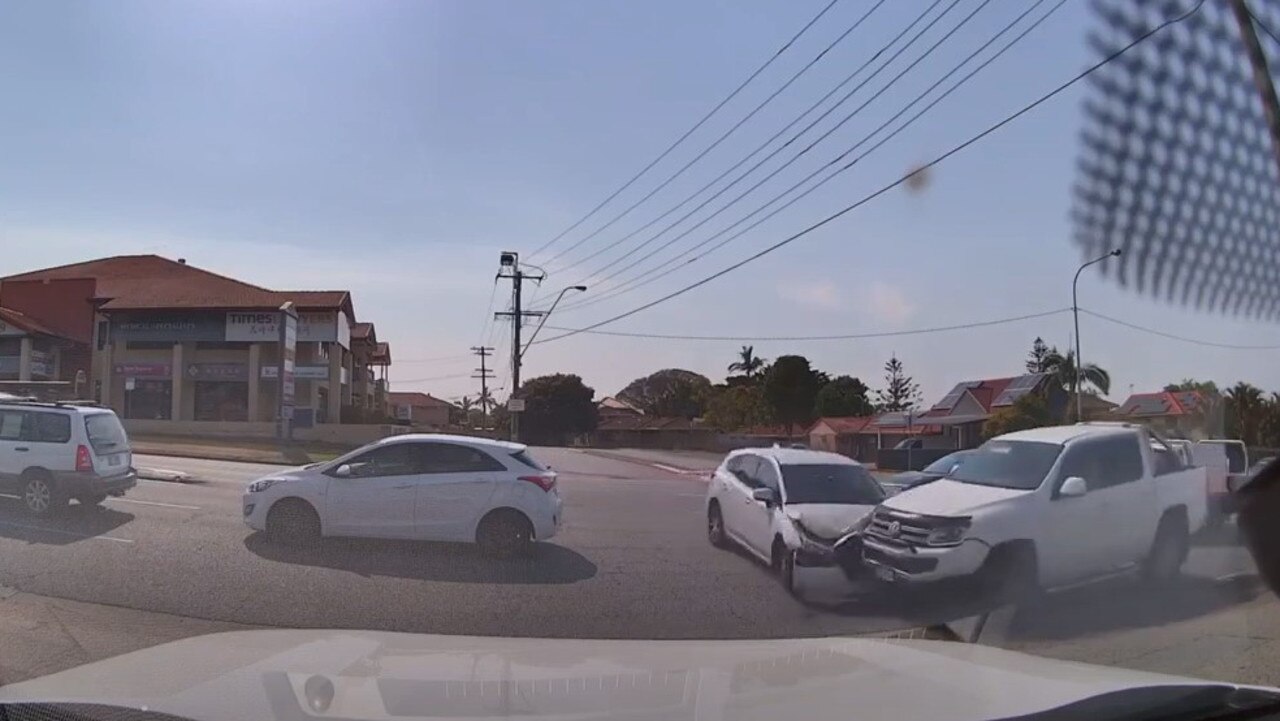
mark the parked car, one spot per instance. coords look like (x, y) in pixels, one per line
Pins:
(51, 453)
(789, 507)
(414, 486)
(900, 482)
(1045, 508)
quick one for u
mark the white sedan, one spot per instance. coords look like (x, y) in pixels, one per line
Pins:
(415, 486)
(790, 508)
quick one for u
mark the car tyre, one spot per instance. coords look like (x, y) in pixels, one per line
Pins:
(784, 564)
(505, 534)
(715, 527)
(1010, 576)
(92, 499)
(1169, 550)
(41, 495)
(293, 522)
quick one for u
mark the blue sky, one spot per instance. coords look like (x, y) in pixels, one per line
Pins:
(394, 148)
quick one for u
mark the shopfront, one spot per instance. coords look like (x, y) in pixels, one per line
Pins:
(148, 390)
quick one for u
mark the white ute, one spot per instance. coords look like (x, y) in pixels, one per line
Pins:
(1045, 508)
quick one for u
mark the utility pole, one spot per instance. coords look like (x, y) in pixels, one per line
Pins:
(510, 268)
(1261, 76)
(485, 375)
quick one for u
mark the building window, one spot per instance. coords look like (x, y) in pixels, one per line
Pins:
(149, 345)
(222, 401)
(103, 337)
(149, 400)
(221, 345)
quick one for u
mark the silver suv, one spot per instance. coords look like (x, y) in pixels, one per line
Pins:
(53, 452)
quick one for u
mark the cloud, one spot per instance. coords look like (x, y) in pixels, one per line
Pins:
(888, 302)
(820, 295)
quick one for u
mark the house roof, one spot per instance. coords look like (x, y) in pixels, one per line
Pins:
(151, 282)
(843, 425)
(362, 331)
(617, 404)
(417, 400)
(1163, 403)
(17, 319)
(381, 354)
(645, 423)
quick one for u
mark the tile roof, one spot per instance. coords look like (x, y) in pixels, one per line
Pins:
(844, 424)
(146, 282)
(362, 331)
(416, 399)
(381, 354)
(12, 317)
(617, 404)
(1163, 403)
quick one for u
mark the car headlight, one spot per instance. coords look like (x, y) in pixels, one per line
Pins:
(813, 550)
(263, 484)
(947, 535)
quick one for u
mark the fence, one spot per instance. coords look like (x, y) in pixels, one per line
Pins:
(892, 459)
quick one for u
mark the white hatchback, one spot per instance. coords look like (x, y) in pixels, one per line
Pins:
(416, 486)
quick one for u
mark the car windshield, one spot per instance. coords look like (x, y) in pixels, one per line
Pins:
(513, 323)
(1008, 464)
(830, 483)
(945, 463)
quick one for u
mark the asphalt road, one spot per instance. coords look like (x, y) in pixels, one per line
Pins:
(631, 561)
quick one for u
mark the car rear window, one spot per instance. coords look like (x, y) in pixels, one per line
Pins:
(106, 435)
(524, 458)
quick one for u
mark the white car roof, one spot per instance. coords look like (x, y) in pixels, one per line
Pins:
(496, 445)
(797, 456)
(83, 408)
(1064, 434)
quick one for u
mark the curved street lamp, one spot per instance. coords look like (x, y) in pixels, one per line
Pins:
(579, 288)
(1075, 311)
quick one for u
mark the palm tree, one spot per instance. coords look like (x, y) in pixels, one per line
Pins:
(1245, 410)
(466, 404)
(748, 362)
(485, 399)
(1063, 369)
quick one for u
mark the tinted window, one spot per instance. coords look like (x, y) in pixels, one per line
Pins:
(1008, 464)
(744, 469)
(830, 483)
(11, 423)
(523, 458)
(453, 458)
(1235, 458)
(49, 427)
(1104, 462)
(106, 435)
(766, 475)
(1166, 460)
(397, 459)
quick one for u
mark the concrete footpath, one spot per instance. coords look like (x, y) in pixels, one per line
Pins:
(673, 461)
(233, 450)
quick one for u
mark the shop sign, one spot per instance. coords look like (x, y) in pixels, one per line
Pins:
(174, 327)
(41, 368)
(404, 412)
(302, 373)
(218, 372)
(313, 327)
(253, 327)
(143, 370)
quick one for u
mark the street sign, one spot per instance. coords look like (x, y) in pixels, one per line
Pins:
(288, 351)
(515, 405)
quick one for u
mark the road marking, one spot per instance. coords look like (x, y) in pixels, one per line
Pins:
(85, 536)
(155, 503)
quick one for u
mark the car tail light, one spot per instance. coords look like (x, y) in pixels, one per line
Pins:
(84, 461)
(546, 483)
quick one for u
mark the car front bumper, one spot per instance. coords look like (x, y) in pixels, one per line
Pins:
(254, 507)
(919, 564)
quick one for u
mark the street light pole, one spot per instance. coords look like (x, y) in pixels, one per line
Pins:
(543, 320)
(1075, 312)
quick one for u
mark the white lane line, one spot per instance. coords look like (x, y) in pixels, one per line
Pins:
(155, 503)
(669, 469)
(85, 536)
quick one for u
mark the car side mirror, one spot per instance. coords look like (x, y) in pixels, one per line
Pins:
(1073, 487)
(767, 496)
(343, 471)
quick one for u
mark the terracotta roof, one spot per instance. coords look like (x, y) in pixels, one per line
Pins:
(844, 424)
(1163, 403)
(145, 282)
(617, 404)
(12, 317)
(381, 354)
(362, 331)
(416, 399)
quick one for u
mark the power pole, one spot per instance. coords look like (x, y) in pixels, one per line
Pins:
(485, 375)
(1261, 76)
(510, 268)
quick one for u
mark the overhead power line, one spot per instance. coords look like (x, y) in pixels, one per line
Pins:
(433, 378)
(1171, 336)
(437, 359)
(801, 153)
(886, 188)
(796, 76)
(843, 336)
(690, 131)
(654, 274)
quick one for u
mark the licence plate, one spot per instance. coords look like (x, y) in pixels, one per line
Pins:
(886, 574)
(113, 460)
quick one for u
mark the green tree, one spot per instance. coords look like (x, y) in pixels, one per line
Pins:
(1245, 409)
(748, 363)
(1029, 411)
(1191, 384)
(736, 408)
(557, 407)
(900, 392)
(1063, 368)
(668, 392)
(843, 396)
(1038, 357)
(791, 388)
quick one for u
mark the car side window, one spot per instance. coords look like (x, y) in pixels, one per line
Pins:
(744, 469)
(454, 458)
(1120, 460)
(48, 428)
(12, 424)
(1166, 461)
(1081, 460)
(397, 459)
(767, 476)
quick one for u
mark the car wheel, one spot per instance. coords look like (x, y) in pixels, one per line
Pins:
(93, 499)
(715, 527)
(505, 534)
(293, 522)
(40, 495)
(784, 563)
(1010, 576)
(1168, 552)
